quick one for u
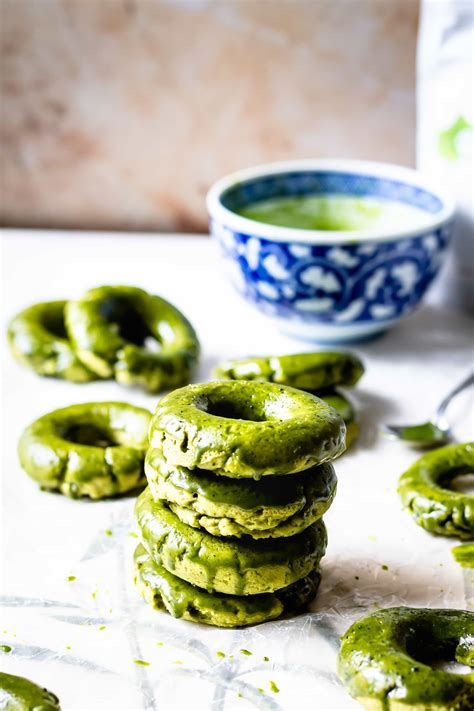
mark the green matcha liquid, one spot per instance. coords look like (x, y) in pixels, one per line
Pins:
(334, 213)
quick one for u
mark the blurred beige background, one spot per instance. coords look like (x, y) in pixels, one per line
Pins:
(120, 114)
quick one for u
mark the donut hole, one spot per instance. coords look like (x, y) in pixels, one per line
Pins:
(88, 434)
(462, 483)
(459, 480)
(245, 404)
(53, 322)
(129, 322)
(423, 647)
(233, 409)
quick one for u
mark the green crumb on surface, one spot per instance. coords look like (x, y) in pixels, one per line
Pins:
(231, 656)
(177, 662)
(102, 627)
(71, 578)
(246, 652)
(108, 532)
(159, 644)
(132, 534)
(5, 648)
(220, 654)
(385, 567)
(241, 696)
(274, 687)
(68, 647)
(266, 659)
(141, 662)
(259, 688)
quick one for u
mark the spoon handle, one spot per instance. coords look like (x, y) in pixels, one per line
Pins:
(445, 402)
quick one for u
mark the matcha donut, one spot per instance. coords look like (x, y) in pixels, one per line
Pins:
(270, 508)
(344, 407)
(38, 339)
(96, 449)
(231, 566)
(138, 338)
(242, 429)
(384, 660)
(423, 490)
(20, 694)
(307, 371)
(164, 591)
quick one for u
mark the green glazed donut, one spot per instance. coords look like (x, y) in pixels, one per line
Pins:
(37, 338)
(423, 491)
(19, 694)
(269, 508)
(138, 338)
(96, 449)
(344, 407)
(242, 429)
(231, 566)
(307, 371)
(164, 591)
(384, 660)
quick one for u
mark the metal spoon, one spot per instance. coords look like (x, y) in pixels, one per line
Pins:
(436, 431)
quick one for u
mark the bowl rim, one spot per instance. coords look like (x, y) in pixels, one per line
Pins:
(217, 211)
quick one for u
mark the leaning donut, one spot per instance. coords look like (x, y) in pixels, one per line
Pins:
(136, 337)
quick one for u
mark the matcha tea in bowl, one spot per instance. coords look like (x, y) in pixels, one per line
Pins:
(332, 250)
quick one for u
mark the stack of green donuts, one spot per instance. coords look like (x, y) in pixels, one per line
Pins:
(239, 476)
(119, 332)
(321, 373)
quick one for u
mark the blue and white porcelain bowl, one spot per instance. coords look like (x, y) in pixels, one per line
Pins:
(331, 286)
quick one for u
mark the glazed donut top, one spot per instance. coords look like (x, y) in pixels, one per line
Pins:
(244, 429)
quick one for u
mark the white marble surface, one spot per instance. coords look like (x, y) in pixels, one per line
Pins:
(46, 538)
(123, 114)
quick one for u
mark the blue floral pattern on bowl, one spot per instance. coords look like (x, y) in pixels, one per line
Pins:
(333, 284)
(347, 288)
